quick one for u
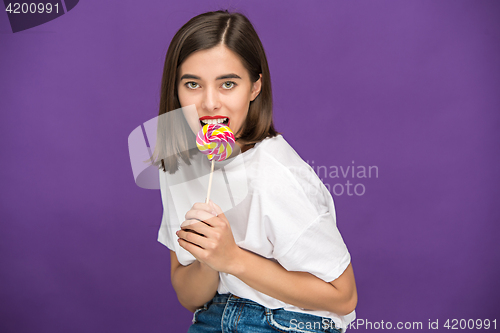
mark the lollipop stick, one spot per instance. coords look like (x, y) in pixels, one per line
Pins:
(210, 182)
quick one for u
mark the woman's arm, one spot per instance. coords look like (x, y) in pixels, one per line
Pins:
(194, 284)
(215, 246)
(301, 289)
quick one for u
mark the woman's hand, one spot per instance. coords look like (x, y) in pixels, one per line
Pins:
(206, 234)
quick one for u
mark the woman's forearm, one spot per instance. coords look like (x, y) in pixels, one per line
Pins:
(195, 284)
(301, 289)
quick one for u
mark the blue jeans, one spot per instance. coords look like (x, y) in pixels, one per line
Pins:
(228, 313)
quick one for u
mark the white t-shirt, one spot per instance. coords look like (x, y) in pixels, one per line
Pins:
(277, 207)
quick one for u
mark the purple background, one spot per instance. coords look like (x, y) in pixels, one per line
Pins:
(411, 87)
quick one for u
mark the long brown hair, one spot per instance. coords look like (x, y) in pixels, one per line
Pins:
(203, 32)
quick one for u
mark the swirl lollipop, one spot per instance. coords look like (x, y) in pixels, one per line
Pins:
(217, 142)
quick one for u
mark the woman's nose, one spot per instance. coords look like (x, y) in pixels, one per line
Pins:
(211, 100)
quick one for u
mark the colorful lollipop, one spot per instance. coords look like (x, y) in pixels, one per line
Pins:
(217, 142)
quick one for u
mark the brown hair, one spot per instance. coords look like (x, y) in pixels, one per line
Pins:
(203, 32)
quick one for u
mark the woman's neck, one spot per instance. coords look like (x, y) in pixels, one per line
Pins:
(246, 147)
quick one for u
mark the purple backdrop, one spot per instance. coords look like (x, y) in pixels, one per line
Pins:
(410, 88)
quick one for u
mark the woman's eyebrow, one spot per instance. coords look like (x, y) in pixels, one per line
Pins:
(222, 77)
(228, 76)
(190, 76)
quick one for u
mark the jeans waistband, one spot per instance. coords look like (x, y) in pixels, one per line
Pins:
(224, 298)
(232, 300)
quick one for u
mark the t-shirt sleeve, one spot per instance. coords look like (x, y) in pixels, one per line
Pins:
(164, 234)
(167, 227)
(300, 222)
(319, 250)
(170, 224)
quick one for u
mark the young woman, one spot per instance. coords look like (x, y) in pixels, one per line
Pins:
(272, 259)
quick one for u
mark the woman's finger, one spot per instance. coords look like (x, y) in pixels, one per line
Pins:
(199, 227)
(194, 249)
(204, 206)
(216, 209)
(200, 215)
(190, 222)
(193, 238)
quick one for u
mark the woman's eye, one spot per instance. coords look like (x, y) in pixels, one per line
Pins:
(192, 85)
(228, 85)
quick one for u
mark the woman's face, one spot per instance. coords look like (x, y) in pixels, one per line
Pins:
(218, 84)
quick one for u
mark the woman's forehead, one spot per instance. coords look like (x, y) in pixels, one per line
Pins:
(213, 63)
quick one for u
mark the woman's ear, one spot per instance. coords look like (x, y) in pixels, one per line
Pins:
(257, 85)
